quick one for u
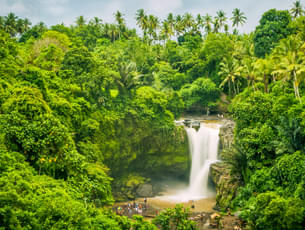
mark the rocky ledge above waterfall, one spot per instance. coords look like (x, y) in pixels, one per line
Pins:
(226, 184)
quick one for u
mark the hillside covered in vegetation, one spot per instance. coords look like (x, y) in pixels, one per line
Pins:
(87, 114)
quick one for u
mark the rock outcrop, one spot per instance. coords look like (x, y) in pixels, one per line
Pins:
(226, 135)
(145, 190)
(226, 184)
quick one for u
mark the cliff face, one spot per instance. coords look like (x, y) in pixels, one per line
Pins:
(226, 135)
(226, 184)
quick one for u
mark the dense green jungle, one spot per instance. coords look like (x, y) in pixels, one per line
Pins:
(87, 115)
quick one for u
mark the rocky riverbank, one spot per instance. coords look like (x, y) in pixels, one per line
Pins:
(205, 219)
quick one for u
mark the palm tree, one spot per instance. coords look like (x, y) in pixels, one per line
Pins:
(2, 21)
(113, 32)
(207, 20)
(238, 17)
(226, 28)
(121, 22)
(96, 21)
(179, 26)
(153, 25)
(140, 16)
(26, 24)
(221, 16)
(19, 26)
(128, 77)
(119, 18)
(230, 70)
(41, 27)
(290, 135)
(199, 22)
(80, 21)
(188, 21)
(106, 29)
(171, 20)
(290, 60)
(142, 20)
(297, 9)
(166, 31)
(216, 25)
(264, 70)
(22, 25)
(10, 24)
(249, 72)
(236, 157)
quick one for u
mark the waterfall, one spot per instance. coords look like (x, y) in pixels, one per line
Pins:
(203, 146)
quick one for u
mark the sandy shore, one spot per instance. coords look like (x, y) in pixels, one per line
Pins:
(202, 205)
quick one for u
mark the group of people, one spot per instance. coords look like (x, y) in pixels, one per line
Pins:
(131, 209)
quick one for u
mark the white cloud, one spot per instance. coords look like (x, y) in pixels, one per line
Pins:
(56, 10)
(164, 6)
(16, 7)
(55, 7)
(52, 2)
(109, 9)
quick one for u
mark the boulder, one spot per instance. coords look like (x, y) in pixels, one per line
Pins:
(145, 190)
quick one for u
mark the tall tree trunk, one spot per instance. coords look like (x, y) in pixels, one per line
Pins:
(234, 88)
(229, 88)
(266, 83)
(296, 87)
(237, 88)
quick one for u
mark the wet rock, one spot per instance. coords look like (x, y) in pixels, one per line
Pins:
(237, 214)
(230, 223)
(226, 134)
(226, 184)
(145, 190)
(214, 220)
(215, 216)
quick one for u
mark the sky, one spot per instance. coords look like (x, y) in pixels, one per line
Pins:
(53, 12)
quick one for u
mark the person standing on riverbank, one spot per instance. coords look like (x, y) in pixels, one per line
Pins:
(140, 210)
(145, 203)
(193, 205)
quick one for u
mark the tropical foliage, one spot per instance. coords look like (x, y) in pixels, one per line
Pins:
(87, 115)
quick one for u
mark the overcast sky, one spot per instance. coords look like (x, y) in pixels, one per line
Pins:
(54, 12)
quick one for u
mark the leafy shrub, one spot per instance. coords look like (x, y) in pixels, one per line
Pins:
(176, 218)
(271, 211)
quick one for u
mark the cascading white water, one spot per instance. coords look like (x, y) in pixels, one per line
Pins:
(203, 145)
(203, 149)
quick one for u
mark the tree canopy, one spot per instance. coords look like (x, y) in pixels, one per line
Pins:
(87, 115)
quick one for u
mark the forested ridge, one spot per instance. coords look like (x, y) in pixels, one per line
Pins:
(87, 115)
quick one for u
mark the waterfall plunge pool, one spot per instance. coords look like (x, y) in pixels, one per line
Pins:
(203, 148)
